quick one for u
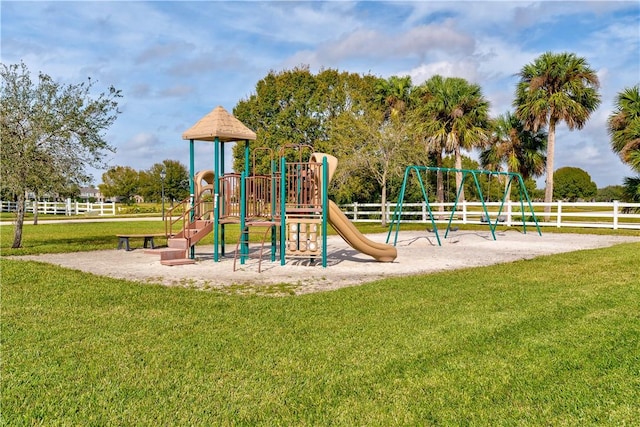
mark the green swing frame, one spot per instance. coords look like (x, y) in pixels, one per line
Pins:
(511, 176)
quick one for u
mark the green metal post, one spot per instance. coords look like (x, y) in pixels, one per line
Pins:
(524, 219)
(484, 206)
(244, 239)
(192, 167)
(216, 196)
(492, 226)
(246, 159)
(325, 208)
(397, 211)
(223, 207)
(504, 196)
(426, 199)
(455, 203)
(273, 209)
(283, 210)
(533, 214)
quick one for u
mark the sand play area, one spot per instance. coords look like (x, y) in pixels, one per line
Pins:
(418, 253)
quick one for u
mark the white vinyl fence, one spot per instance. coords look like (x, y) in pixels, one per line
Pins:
(613, 215)
(67, 207)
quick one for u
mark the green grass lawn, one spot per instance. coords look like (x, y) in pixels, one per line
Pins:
(550, 341)
(84, 236)
(74, 237)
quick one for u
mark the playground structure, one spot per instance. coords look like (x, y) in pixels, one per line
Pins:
(465, 173)
(290, 204)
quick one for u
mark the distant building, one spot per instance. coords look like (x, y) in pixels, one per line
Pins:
(91, 193)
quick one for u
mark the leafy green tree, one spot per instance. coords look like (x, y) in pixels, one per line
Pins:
(295, 107)
(515, 149)
(556, 88)
(624, 127)
(374, 138)
(122, 182)
(50, 133)
(284, 114)
(573, 184)
(451, 115)
(176, 182)
(610, 193)
(379, 146)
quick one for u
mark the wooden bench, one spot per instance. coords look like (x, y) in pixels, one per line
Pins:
(123, 239)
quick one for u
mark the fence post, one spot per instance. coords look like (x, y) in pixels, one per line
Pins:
(559, 217)
(464, 211)
(386, 212)
(355, 211)
(509, 213)
(424, 211)
(616, 208)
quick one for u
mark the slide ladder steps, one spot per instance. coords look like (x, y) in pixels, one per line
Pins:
(177, 250)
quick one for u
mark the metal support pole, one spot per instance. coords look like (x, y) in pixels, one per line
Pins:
(192, 197)
(325, 208)
(216, 195)
(283, 210)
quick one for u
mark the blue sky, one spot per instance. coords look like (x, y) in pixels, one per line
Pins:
(176, 61)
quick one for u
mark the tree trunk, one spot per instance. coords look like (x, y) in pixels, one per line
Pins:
(548, 189)
(440, 186)
(17, 232)
(384, 200)
(507, 190)
(35, 211)
(459, 175)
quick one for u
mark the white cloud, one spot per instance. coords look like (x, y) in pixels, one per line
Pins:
(465, 69)
(175, 61)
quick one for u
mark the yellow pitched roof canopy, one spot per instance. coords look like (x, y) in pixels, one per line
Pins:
(219, 124)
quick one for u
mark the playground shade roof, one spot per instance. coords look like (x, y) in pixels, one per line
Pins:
(219, 124)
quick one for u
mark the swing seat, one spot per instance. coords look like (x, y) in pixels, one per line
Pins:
(501, 218)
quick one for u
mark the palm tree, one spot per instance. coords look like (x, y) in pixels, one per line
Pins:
(520, 150)
(452, 115)
(393, 95)
(624, 127)
(555, 88)
(632, 189)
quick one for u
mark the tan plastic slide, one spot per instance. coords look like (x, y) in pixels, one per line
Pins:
(339, 221)
(379, 251)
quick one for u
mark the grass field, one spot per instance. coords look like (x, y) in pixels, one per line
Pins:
(550, 341)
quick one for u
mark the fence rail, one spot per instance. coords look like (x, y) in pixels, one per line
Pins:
(67, 208)
(613, 215)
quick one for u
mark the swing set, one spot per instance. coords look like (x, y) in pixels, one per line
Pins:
(509, 176)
